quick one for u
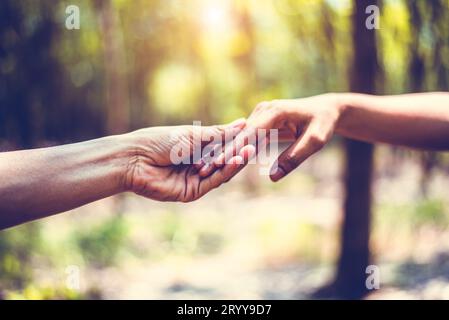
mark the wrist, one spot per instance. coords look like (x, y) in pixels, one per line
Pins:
(129, 155)
(341, 103)
(138, 151)
(117, 154)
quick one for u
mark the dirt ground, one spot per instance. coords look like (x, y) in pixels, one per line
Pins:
(256, 240)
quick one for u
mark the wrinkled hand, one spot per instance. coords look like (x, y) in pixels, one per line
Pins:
(153, 173)
(308, 122)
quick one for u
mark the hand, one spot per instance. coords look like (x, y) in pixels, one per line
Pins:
(308, 122)
(152, 172)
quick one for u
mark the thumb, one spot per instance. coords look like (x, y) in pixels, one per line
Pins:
(309, 143)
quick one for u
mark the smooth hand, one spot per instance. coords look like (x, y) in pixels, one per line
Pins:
(308, 122)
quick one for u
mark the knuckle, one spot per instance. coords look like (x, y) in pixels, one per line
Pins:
(262, 106)
(276, 109)
(291, 161)
(219, 128)
(217, 134)
(317, 141)
(275, 103)
(191, 196)
(188, 200)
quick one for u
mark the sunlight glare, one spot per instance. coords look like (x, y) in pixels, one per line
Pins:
(215, 17)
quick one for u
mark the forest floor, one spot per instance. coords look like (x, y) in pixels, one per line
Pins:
(253, 239)
(290, 281)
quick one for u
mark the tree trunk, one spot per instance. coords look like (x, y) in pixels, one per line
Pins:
(355, 254)
(117, 99)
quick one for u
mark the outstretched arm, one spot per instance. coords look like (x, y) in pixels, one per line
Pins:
(414, 120)
(418, 120)
(42, 182)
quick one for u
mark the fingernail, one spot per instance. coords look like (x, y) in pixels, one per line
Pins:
(219, 160)
(205, 170)
(248, 152)
(200, 163)
(277, 173)
(238, 160)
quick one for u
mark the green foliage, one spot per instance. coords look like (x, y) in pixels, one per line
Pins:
(210, 60)
(100, 245)
(209, 242)
(18, 247)
(181, 236)
(414, 215)
(47, 293)
(430, 211)
(175, 61)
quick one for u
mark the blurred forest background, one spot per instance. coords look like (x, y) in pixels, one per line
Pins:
(145, 63)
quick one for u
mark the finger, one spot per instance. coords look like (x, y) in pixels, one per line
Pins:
(219, 177)
(264, 116)
(220, 161)
(229, 150)
(310, 142)
(246, 153)
(210, 153)
(286, 135)
(223, 132)
(206, 170)
(229, 170)
(219, 134)
(238, 123)
(199, 164)
(233, 148)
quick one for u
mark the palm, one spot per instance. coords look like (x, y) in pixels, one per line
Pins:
(176, 183)
(155, 175)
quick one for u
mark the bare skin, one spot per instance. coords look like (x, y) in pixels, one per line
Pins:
(38, 183)
(412, 120)
(42, 182)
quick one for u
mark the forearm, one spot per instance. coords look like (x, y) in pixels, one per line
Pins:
(41, 182)
(414, 120)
